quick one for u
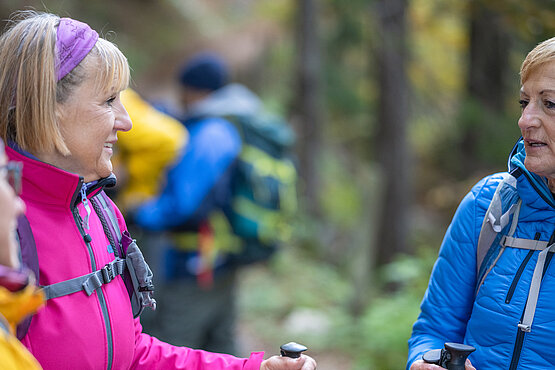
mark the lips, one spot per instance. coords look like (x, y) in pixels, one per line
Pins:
(534, 143)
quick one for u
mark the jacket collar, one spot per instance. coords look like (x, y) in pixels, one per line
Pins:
(533, 189)
(47, 184)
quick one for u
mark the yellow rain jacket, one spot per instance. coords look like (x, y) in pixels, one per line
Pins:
(145, 152)
(13, 308)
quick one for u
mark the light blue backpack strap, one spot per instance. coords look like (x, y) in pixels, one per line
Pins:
(505, 202)
(88, 283)
(494, 220)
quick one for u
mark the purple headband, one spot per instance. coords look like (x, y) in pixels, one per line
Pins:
(74, 40)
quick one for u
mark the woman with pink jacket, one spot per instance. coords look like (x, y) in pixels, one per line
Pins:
(60, 112)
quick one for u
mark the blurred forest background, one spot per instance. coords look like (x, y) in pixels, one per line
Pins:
(400, 106)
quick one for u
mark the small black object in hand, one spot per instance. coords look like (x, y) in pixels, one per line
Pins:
(453, 357)
(292, 350)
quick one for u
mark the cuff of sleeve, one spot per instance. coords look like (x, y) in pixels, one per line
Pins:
(254, 361)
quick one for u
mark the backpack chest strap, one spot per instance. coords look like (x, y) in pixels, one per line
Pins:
(88, 283)
(531, 244)
(530, 309)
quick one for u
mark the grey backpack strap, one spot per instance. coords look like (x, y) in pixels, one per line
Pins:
(129, 263)
(88, 283)
(138, 280)
(110, 213)
(528, 316)
(109, 222)
(530, 244)
(141, 287)
(495, 220)
(504, 204)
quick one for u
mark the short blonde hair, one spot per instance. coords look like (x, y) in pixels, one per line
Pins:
(543, 53)
(29, 90)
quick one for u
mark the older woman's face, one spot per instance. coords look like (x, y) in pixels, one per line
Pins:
(89, 122)
(11, 206)
(537, 122)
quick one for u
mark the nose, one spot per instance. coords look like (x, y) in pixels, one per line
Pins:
(123, 121)
(529, 117)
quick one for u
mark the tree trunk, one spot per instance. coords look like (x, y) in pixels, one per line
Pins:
(307, 105)
(489, 56)
(488, 68)
(391, 141)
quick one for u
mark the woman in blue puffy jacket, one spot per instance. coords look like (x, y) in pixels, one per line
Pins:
(510, 319)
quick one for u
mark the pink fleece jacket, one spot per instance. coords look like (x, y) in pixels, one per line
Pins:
(97, 332)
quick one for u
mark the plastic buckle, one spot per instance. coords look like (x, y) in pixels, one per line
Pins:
(146, 288)
(108, 273)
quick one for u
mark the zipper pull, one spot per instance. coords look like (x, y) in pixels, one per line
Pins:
(86, 205)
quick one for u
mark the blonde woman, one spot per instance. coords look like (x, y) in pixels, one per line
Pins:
(508, 315)
(60, 114)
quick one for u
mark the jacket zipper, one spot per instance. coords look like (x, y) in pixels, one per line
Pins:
(520, 334)
(100, 294)
(519, 272)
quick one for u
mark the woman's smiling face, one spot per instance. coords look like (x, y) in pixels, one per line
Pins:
(89, 121)
(537, 121)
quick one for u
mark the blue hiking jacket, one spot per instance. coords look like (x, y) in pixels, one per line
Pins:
(212, 148)
(450, 312)
(200, 180)
(200, 183)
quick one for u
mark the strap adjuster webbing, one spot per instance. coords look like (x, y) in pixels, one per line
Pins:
(89, 282)
(531, 244)
(530, 309)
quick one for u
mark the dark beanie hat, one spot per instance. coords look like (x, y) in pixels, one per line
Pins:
(206, 71)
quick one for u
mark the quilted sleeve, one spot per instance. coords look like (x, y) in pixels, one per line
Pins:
(448, 301)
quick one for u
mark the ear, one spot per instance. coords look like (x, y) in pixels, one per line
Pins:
(59, 113)
(59, 128)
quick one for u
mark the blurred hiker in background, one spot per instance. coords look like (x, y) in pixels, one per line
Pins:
(143, 154)
(226, 204)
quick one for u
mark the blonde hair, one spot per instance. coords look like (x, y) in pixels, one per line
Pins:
(29, 90)
(543, 53)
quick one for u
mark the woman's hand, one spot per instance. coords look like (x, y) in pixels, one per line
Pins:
(286, 363)
(421, 365)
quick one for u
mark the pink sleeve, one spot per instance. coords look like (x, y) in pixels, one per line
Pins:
(151, 353)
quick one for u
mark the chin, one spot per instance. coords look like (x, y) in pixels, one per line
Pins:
(532, 166)
(538, 169)
(104, 175)
(105, 170)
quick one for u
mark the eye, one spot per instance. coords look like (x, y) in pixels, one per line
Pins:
(523, 103)
(549, 104)
(111, 100)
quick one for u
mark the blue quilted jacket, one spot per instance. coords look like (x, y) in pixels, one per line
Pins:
(450, 312)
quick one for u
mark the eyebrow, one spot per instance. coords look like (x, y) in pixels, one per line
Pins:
(542, 92)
